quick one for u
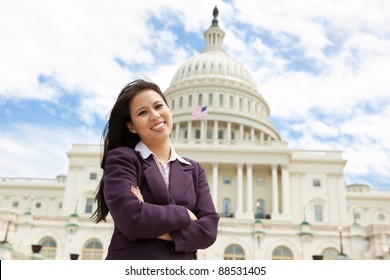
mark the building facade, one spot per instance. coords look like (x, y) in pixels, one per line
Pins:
(274, 202)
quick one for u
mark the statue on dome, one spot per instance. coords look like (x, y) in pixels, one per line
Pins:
(215, 14)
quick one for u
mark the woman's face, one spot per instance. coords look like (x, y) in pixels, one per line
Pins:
(151, 118)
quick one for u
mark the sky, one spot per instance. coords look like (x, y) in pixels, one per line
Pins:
(323, 67)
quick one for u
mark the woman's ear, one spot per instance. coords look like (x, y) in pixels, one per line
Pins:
(131, 127)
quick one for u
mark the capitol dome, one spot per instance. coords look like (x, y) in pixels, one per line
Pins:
(223, 88)
(213, 61)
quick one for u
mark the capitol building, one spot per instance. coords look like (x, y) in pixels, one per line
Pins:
(274, 202)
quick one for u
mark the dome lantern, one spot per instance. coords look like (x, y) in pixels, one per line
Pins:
(214, 35)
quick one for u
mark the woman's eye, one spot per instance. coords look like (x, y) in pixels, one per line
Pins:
(159, 106)
(141, 113)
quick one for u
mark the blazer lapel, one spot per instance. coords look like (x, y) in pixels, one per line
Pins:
(155, 181)
(179, 179)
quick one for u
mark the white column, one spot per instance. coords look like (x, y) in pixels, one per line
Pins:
(249, 192)
(241, 131)
(275, 198)
(285, 191)
(177, 131)
(215, 185)
(189, 132)
(202, 130)
(215, 132)
(229, 132)
(261, 136)
(239, 190)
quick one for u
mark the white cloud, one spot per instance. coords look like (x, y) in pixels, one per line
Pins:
(36, 151)
(76, 44)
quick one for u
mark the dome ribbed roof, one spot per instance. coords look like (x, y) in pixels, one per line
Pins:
(213, 61)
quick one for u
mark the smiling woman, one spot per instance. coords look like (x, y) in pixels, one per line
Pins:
(160, 202)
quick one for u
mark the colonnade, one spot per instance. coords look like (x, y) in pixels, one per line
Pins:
(240, 131)
(278, 212)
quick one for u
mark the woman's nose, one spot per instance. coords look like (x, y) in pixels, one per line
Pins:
(154, 115)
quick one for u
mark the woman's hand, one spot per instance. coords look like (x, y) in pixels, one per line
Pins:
(192, 215)
(137, 193)
(166, 237)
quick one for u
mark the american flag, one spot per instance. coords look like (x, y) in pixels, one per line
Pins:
(199, 112)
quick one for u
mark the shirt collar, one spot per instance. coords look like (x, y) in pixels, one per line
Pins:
(146, 152)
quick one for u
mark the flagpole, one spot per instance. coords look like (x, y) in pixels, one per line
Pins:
(206, 128)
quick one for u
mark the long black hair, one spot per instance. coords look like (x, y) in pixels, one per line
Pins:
(116, 134)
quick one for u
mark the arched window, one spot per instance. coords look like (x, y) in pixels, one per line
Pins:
(190, 101)
(221, 100)
(181, 102)
(330, 253)
(227, 208)
(260, 209)
(173, 104)
(231, 102)
(200, 100)
(234, 252)
(92, 250)
(49, 248)
(220, 134)
(282, 253)
(210, 99)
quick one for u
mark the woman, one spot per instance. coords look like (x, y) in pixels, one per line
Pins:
(160, 202)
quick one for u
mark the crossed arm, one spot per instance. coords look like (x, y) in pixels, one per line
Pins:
(137, 193)
(189, 229)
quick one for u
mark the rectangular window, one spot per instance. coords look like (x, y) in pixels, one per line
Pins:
(15, 203)
(227, 180)
(318, 213)
(260, 182)
(92, 176)
(59, 205)
(316, 183)
(89, 205)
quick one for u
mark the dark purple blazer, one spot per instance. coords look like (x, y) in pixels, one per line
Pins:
(137, 225)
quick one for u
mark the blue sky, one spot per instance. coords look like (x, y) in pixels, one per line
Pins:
(323, 67)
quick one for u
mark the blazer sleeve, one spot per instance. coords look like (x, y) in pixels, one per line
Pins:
(201, 233)
(134, 219)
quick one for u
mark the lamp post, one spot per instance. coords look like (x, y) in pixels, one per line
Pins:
(341, 256)
(5, 247)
